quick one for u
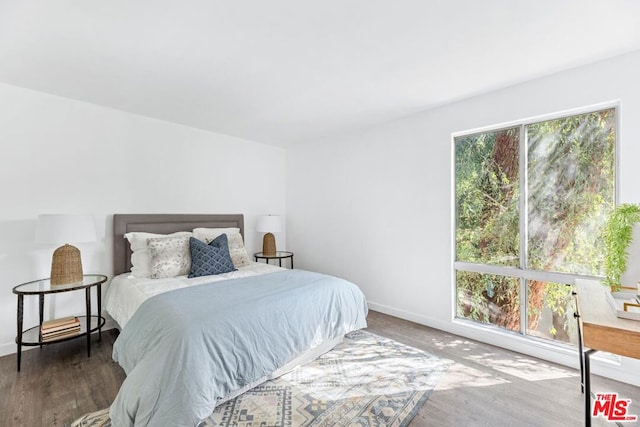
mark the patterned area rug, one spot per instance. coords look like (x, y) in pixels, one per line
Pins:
(367, 380)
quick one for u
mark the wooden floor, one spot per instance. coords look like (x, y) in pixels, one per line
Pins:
(485, 385)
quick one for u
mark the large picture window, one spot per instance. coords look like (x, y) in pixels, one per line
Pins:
(530, 204)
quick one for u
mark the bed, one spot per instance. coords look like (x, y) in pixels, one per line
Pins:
(189, 344)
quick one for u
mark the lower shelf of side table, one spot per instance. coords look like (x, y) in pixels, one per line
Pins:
(31, 336)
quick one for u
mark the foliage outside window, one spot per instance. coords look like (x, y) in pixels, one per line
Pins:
(618, 233)
(531, 204)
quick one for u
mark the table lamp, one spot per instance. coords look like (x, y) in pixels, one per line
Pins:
(269, 224)
(66, 263)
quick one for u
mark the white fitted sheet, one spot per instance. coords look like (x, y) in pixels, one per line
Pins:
(126, 293)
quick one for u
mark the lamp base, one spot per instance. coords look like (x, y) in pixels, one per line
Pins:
(66, 266)
(269, 245)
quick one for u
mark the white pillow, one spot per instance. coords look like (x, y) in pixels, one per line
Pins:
(140, 258)
(212, 233)
(237, 250)
(170, 256)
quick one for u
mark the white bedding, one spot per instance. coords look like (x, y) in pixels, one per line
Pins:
(126, 292)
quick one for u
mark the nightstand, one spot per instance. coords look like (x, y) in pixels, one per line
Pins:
(280, 255)
(88, 323)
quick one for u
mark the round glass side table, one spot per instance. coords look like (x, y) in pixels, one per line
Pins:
(88, 323)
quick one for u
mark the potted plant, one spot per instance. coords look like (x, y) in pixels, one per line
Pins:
(618, 233)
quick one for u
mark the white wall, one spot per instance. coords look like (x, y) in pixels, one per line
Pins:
(64, 156)
(375, 206)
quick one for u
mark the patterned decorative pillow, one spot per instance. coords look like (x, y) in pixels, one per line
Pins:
(237, 250)
(140, 256)
(210, 259)
(170, 256)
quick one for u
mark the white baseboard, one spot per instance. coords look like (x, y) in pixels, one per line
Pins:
(627, 371)
(10, 347)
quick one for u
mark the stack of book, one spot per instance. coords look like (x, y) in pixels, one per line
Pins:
(56, 329)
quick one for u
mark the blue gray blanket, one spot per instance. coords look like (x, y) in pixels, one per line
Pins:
(184, 349)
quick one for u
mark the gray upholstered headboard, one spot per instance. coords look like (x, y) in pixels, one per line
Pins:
(161, 224)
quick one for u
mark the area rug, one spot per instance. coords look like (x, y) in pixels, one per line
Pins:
(367, 380)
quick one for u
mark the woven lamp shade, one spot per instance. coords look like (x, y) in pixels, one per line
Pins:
(66, 266)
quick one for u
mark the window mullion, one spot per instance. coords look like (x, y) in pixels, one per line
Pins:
(523, 221)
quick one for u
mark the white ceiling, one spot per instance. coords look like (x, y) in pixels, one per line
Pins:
(285, 71)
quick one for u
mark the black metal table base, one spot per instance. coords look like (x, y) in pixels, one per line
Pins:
(586, 385)
(37, 340)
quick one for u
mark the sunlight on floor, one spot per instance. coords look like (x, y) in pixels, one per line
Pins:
(459, 376)
(460, 344)
(523, 367)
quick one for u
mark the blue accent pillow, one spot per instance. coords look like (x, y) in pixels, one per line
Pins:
(214, 258)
